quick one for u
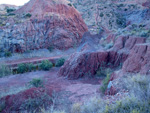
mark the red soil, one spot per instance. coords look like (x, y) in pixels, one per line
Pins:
(80, 90)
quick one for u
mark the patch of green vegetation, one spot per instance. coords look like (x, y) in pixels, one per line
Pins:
(28, 15)
(108, 15)
(51, 48)
(22, 68)
(101, 14)
(5, 71)
(37, 82)
(30, 67)
(76, 108)
(8, 54)
(46, 65)
(34, 104)
(70, 4)
(103, 88)
(10, 10)
(103, 71)
(121, 21)
(60, 62)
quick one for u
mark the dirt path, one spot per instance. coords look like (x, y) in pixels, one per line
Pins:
(79, 90)
(14, 63)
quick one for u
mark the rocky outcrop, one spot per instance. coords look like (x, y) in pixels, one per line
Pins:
(83, 64)
(47, 23)
(87, 63)
(138, 60)
(127, 42)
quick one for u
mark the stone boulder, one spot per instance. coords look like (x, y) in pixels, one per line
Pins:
(44, 23)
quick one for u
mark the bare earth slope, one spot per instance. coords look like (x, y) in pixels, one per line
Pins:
(77, 90)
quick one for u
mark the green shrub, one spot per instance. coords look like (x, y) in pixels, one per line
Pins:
(22, 68)
(103, 71)
(70, 4)
(103, 88)
(30, 67)
(8, 54)
(51, 48)
(33, 105)
(5, 70)
(28, 15)
(101, 14)
(10, 10)
(121, 21)
(36, 82)
(60, 62)
(46, 65)
(76, 108)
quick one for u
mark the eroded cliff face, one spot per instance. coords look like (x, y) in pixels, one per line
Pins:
(42, 24)
(112, 14)
(85, 64)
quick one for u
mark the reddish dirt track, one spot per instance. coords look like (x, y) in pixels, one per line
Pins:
(14, 63)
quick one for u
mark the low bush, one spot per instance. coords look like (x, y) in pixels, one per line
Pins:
(36, 82)
(101, 14)
(28, 15)
(121, 21)
(70, 4)
(51, 48)
(104, 70)
(22, 68)
(103, 88)
(8, 54)
(30, 67)
(5, 70)
(33, 105)
(10, 10)
(76, 108)
(60, 62)
(46, 65)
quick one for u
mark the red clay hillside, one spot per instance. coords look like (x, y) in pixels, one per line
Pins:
(43, 24)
